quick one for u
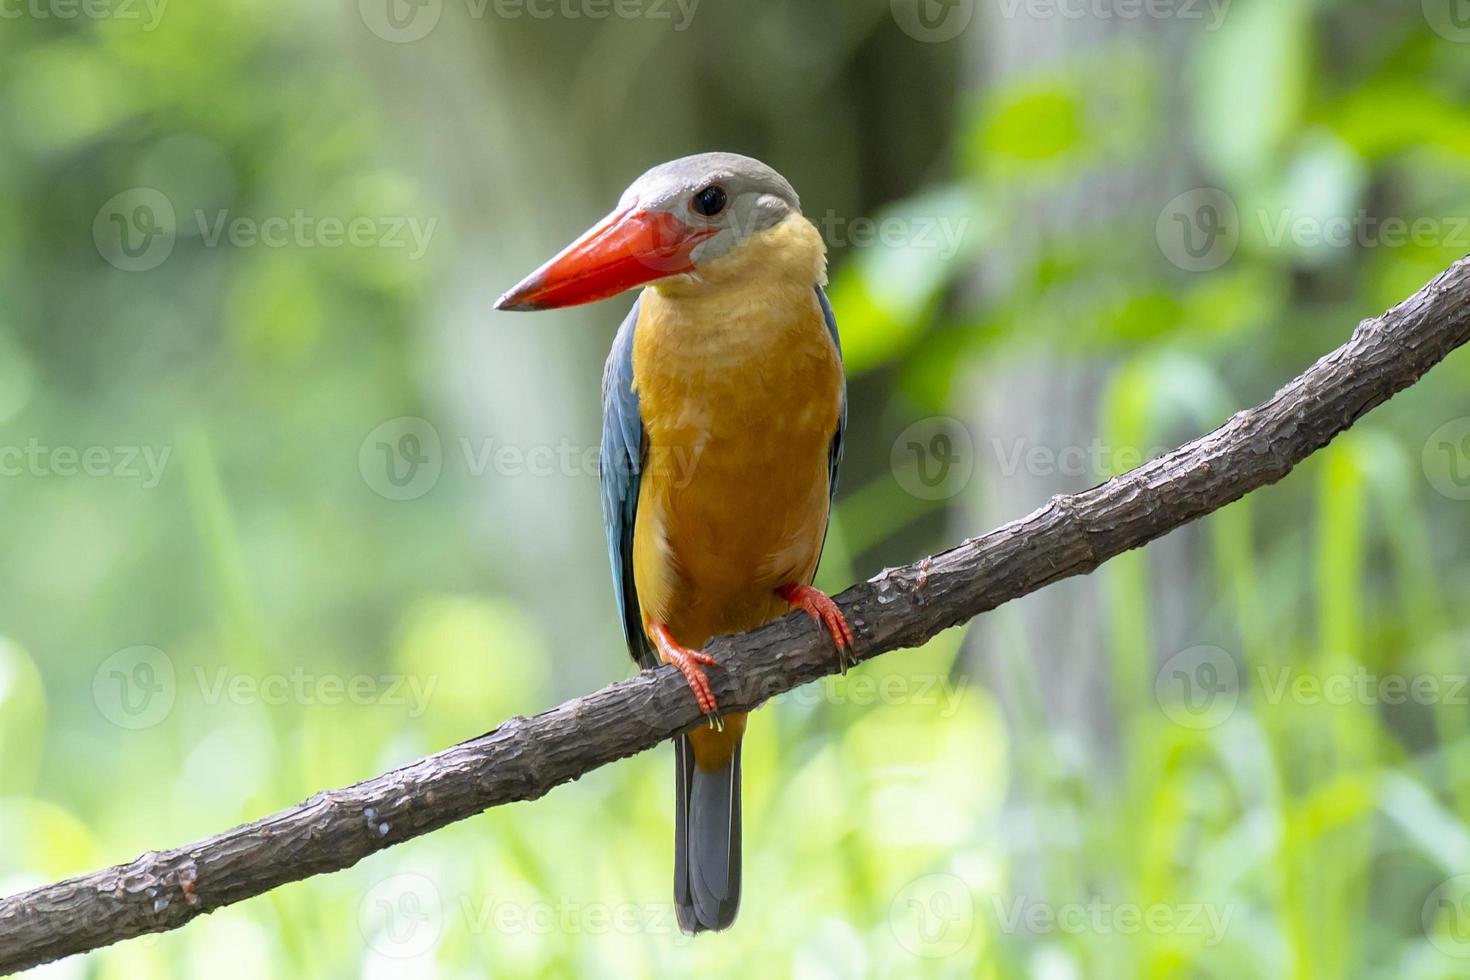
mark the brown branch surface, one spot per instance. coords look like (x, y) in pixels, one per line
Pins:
(525, 757)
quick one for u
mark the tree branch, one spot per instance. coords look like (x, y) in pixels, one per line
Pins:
(526, 757)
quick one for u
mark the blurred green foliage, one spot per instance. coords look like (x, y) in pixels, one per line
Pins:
(262, 614)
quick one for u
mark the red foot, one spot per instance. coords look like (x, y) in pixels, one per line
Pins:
(687, 661)
(824, 612)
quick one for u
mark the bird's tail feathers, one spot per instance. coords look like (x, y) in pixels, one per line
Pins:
(706, 840)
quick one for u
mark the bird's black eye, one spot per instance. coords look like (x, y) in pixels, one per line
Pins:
(710, 201)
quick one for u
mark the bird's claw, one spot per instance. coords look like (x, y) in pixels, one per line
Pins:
(826, 614)
(689, 663)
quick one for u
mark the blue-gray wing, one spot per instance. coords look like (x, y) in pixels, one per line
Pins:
(621, 470)
(835, 454)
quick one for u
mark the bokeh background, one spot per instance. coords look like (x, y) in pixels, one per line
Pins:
(285, 503)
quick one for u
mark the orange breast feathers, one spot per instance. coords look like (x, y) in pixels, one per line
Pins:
(740, 387)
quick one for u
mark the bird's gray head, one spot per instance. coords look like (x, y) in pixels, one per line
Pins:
(675, 218)
(733, 194)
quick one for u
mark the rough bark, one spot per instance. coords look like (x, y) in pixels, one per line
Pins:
(525, 757)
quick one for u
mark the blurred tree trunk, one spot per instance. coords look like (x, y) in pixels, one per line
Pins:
(1046, 654)
(513, 195)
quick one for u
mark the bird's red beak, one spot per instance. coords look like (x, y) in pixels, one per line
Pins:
(628, 248)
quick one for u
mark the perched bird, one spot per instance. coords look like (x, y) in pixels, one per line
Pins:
(724, 404)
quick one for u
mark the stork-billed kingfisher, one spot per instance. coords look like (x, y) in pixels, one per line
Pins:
(724, 404)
